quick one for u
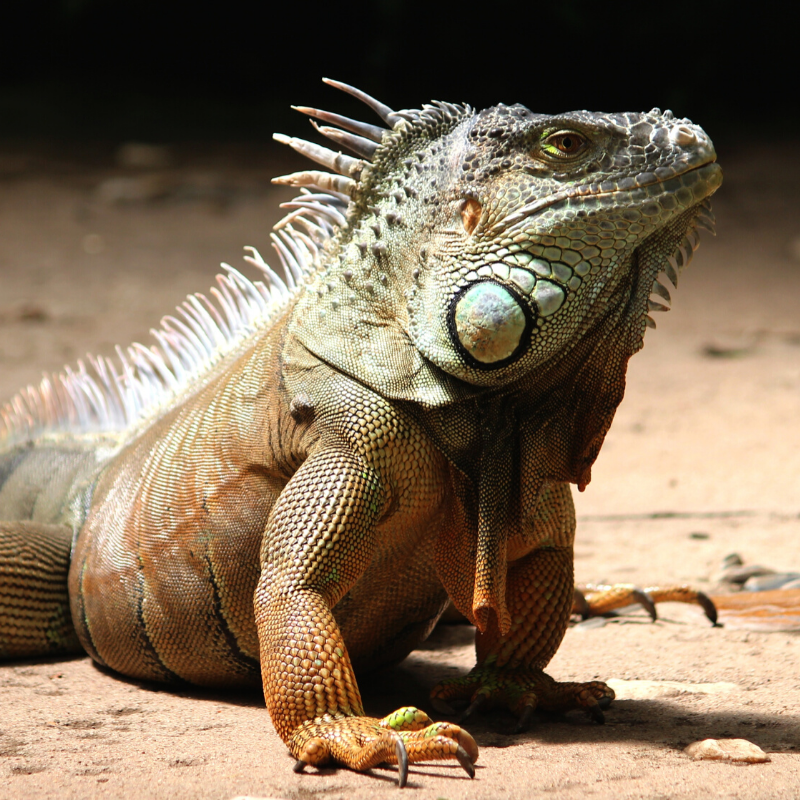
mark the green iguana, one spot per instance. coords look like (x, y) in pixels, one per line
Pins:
(295, 479)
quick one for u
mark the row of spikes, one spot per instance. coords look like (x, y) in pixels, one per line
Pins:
(109, 395)
(361, 138)
(678, 261)
(321, 207)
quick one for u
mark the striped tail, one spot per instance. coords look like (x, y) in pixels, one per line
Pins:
(34, 604)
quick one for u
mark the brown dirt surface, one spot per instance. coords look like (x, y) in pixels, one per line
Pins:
(702, 461)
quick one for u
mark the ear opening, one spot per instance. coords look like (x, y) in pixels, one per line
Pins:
(471, 214)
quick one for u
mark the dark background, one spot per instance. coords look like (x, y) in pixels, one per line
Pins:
(227, 70)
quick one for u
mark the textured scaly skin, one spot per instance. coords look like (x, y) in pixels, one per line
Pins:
(403, 433)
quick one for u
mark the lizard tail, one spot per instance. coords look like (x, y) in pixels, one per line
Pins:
(34, 603)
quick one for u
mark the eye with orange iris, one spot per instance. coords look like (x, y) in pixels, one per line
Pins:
(564, 144)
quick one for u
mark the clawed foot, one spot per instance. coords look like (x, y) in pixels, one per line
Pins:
(405, 737)
(522, 690)
(595, 601)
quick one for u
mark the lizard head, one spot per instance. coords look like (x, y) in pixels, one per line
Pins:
(494, 241)
(541, 227)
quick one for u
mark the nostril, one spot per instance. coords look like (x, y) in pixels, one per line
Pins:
(682, 135)
(471, 215)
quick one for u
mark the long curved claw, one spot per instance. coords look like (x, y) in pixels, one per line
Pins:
(707, 604)
(522, 690)
(474, 706)
(524, 721)
(684, 594)
(406, 736)
(598, 601)
(597, 715)
(644, 600)
(402, 762)
(580, 605)
(441, 707)
(465, 761)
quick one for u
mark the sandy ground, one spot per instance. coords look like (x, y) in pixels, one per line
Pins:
(703, 460)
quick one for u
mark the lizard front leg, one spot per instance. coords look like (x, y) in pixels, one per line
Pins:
(319, 540)
(538, 598)
(509, 670)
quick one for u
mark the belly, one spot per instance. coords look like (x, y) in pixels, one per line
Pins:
(165, 567)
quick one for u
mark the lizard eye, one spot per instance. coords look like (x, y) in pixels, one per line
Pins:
(564, 144)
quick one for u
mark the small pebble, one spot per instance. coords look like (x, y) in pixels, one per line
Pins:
(741, 574)
(738, 750)
(765, 583)
(732, 560)
(730, 346)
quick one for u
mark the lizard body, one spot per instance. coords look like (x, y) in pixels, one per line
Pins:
(292, 485)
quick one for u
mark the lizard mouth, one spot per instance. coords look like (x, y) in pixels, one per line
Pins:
(701, 180)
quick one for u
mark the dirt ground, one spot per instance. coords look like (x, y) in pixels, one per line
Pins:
(702, 461)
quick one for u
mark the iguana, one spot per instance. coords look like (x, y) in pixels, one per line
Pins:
(295, 479)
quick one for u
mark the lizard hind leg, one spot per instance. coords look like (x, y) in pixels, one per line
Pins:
(35, 616)
(597, 601)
